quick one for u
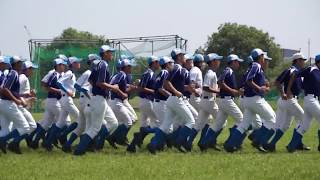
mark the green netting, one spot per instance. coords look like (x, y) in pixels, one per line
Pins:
(44, 53)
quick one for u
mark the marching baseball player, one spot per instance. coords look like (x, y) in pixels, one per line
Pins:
(254, 103)
(256, 123)
(208, 105)
(311, 86)
(100, 110)
(146, 94)
(66, 84)
(10, 100)
(4, 70)
(130, 82)
(28, 95)
(83, 86)
(194, 81)
(52, 106)
(122, 112)
(289, 86)
(160, 95)
(177, 110)
(227, 106)
(196, 78)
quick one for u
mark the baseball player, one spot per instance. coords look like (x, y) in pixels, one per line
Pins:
(256, 123)
(122, 112)
(131, 84)
(196, 78)
(208, 105)
(100, 110)
(28, 95)
(160, 95)
(10, 100)
(52, 106)
(227, 106)
(83, 86)
(176, 107)
(289, 86)
(195, 82)
(66, 84)
(311, 86)
(146, 94)
(254, 103)
(4, 66)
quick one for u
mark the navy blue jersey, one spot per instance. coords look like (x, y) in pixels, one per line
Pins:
(121, 80)
(229, 78)
(147, 81)
(53, 82)
(257, 75)
(284, 79)
(11, 82)
(178, 77)
(129, 78)
(159, 84)
(311, 80)
(99, 74)
(244, 77)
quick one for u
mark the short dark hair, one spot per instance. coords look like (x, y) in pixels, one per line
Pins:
(197, 64)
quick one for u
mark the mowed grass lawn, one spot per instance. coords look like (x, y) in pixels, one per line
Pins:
(170, 164)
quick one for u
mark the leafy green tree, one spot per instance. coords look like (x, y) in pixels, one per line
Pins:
(233, 38)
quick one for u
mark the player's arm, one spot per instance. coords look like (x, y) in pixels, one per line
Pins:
(47, 86)
(60, 84)
(290, 83)
(7, 93)
(210, 89)
(190, 87)
(168, 86)
(104, 85)
(131, 88)
(101, 81)
(225, 87)
(163, 92)
(142, 86)
(257, 88)
(279, 86)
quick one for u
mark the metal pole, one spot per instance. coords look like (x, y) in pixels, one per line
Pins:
(151, 47)
(176, 42)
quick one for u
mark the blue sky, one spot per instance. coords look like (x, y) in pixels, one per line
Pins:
(292, 22)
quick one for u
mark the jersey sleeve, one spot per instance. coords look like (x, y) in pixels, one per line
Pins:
(24, 83)
(144, 80)
(11, 78)
(225, 73)
(67, 75)
(102, 75)
(51, 79)
(252, 72)
(83, 78)
(193, 74)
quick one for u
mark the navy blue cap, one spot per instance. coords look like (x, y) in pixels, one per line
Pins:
(317, 58)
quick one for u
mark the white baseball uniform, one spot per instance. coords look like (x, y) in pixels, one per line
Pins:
(208, 105)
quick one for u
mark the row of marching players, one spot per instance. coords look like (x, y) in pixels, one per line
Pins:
(175, 104)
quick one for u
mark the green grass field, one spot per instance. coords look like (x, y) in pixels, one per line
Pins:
(170, 164)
